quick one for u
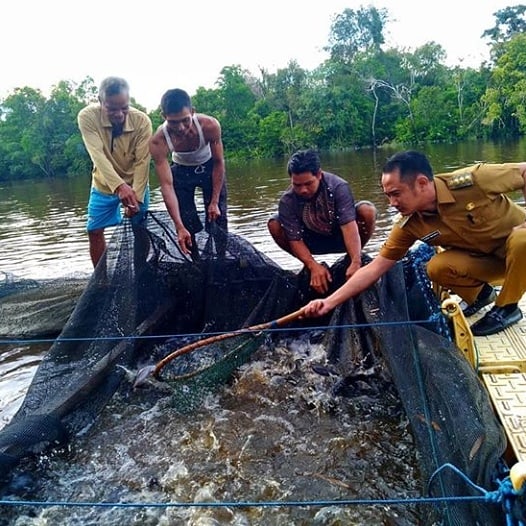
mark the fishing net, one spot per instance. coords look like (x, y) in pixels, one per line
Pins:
(146, 299)
(447, 407)
(36, 309)
(144, 286)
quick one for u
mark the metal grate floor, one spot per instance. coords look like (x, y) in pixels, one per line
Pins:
(502, 367)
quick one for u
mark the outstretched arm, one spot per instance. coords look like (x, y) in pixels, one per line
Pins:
(159, 152)
(361, 280)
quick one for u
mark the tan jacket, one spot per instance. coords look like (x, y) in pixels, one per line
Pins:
(473, 213)
(125, 159)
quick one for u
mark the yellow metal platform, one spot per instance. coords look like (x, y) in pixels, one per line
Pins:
(501, 361)
(508, 395)
(505, 351)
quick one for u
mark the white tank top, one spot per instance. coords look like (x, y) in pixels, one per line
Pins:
(194, 158)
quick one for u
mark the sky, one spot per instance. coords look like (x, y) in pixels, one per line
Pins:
(157, 45)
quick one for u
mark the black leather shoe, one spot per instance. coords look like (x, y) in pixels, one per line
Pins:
(485, 297)
(496, 320)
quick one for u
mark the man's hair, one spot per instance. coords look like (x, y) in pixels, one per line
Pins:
(409, 164)
(175, 101)
(112, 86)
(304, 161)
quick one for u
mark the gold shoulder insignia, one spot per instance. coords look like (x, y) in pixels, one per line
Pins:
(461, 180)
(401, 220)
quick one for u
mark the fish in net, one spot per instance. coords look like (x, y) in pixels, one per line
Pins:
(146, 297)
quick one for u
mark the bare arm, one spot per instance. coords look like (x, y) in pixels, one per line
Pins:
(159, 152)
(213, 135)
(320, 277)
(353, 245)
(361, 280)
(523, 172)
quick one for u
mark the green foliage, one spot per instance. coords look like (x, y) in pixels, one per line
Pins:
(357, 31)
(363, 95)
(510, 21)
(156, 118)
(440, 102)
(506, 94)
(39, 136)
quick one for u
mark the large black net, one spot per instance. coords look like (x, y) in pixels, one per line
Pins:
(146, 299)
(31, 308)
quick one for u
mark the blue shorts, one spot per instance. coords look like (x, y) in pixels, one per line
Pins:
(104, 210)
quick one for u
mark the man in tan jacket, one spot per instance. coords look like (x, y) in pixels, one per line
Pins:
(466, 212)
(116, 137)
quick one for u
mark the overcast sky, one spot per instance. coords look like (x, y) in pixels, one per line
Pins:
(158, 44)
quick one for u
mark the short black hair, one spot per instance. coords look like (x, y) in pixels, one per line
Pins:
(410, 164)
(304, 161)
(112, 86)
(174, 101)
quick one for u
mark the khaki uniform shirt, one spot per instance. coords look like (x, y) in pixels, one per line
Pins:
(473, 213)
(122, 159)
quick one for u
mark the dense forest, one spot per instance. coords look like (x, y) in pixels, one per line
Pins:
(362, 96)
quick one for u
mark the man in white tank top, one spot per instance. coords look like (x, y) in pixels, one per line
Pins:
(193, 140)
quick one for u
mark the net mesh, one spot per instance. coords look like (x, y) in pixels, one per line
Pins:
(146, 299)
(31, 308)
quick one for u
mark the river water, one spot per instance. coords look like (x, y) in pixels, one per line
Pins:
(259, 438)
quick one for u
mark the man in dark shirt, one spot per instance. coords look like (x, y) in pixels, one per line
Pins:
(318, 215)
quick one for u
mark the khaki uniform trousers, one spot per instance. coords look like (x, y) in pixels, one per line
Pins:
(464, 273)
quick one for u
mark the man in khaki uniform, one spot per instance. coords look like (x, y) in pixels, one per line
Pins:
(466, 213)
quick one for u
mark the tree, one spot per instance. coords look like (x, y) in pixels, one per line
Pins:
(509, 22)
(506, 96)
(283, 92)
(357, 31)
(39, 136)
(236, 99)
(19, 123)
(336, 108)
(470, 86)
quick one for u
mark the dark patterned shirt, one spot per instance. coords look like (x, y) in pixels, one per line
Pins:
(331, 207)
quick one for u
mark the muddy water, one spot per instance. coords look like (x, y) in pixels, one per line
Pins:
(275, 434)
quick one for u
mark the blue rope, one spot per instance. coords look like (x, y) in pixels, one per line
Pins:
(20, 341)
(416, 260)
(505, 494)
(247, 504)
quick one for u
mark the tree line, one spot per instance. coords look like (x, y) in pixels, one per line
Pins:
(363, 95)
